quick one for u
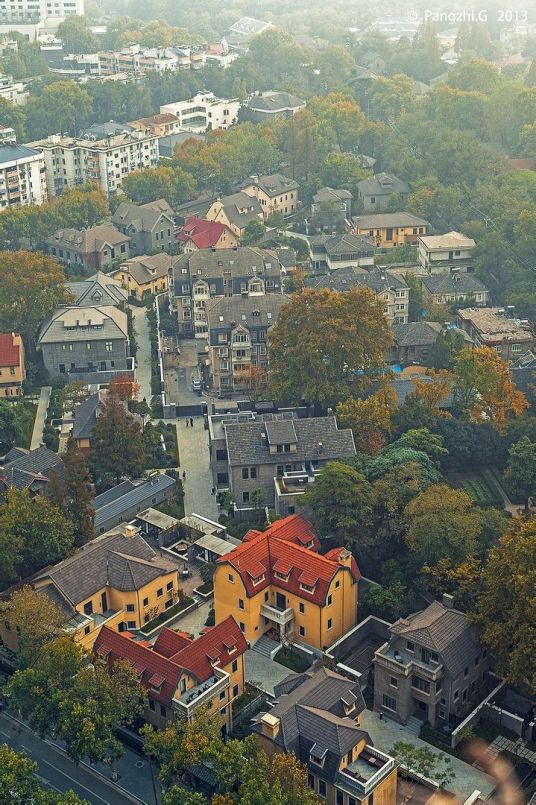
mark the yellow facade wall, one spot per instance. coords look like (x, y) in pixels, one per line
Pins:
(320, 625)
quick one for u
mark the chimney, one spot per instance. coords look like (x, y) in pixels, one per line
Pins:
(270, 725)
(448, 601)
(345, 557)
(130, 530)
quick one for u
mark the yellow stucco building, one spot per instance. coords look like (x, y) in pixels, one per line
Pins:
(116, 580)
(391, 229)
(181, 674)
(12, 365)
(276, 583)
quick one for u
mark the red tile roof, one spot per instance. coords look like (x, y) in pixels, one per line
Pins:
(156, 669)
(9, 351)
(169, 642)
(213, 645)
(120, 646)
(205, 234)
(280, 549)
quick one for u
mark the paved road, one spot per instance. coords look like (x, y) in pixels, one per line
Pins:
(179, 380)
(40, 416)
(195, 461)
(143, 357)
(59, 773)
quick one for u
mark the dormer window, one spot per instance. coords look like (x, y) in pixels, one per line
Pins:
(281, 576)
(317, 755)
(258, 580)
(307, 588)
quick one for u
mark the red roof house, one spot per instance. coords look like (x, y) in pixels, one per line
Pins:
(174, 655)
(197, 233)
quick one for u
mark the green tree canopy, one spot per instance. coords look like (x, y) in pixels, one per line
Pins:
(33, 533)
(20, 783)
(77, 36)
(63, 107)
(521, 470)
(341, 501)
(118, 448)
(31, 285)
(441, 524)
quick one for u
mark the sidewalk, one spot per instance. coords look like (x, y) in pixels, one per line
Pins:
(40, 416)
(143, 356)
(195, 461)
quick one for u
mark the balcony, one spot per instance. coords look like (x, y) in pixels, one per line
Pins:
(277, 614)
(202, 694)
(405, 663)
(363, 775)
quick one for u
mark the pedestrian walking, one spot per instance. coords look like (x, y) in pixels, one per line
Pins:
(191, 421)
(184, 475)
(187, 421)
(213, 490)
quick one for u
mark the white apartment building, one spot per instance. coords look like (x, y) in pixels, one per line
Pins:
(13, 91)
(204, 112)
(34, 10)
(22, 176)
(71, 161)
(443, 254)
(135, 59)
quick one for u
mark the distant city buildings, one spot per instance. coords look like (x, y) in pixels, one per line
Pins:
(105, 157)
(22, 175)
(203, 112)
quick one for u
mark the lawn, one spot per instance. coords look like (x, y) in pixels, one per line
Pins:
(291, 659)
(480, 489)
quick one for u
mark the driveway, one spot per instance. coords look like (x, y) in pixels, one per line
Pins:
(40, 417)
(386, 732)
(179, 380)
(195, 463)
(143, 356)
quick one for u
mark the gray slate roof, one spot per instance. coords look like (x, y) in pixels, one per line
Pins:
(453, 283)
(443, 630)
(85, 417)
(244, 261)
(317, 438)
(87, 241)
(273, 184)
(348, 277)
(388, 219)
(144, 216)
(275, 102)
(22, 467)
(10, 153)
(100, 289)
(331, 194)
(141, 493)
(311, 711)
(416, 333)
(249, 311)
(343, 244)
(240, 208)
(382, 184)
(126, 563)
(73, 324)
(146, 268)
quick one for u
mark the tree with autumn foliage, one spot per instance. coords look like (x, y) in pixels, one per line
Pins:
(325, 345)
(253, 381)
(31, 285)
(433, 391)
(123, 387)
(369, 419)
(483, 388)
(243, 771)
(505, 608)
